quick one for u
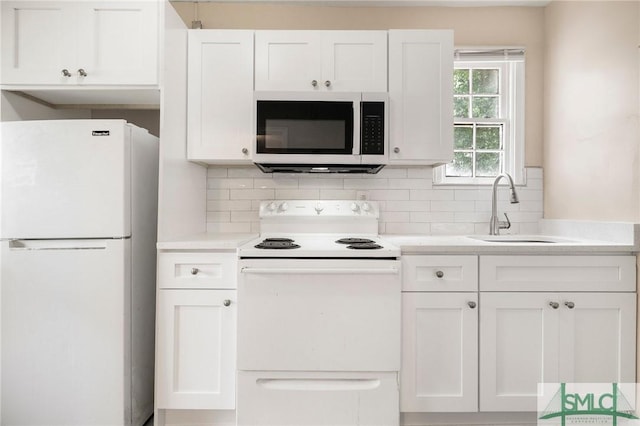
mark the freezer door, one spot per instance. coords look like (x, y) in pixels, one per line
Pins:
(65, 179)
(65, 339)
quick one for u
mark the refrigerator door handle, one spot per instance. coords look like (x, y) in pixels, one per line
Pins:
(57, 244)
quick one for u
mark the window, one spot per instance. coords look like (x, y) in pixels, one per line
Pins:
(488, 104)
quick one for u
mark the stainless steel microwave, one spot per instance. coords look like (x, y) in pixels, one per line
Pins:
(321, 132)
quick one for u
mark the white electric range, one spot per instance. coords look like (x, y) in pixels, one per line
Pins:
(318, 320)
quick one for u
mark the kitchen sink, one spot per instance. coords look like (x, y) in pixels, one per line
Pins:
(516, 239)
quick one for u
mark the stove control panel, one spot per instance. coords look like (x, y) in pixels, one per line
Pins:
(327, 208)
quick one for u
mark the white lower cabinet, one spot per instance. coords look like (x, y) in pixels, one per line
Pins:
(196, 331)
(439, 334)
(439, 352)
(533, 324)
(196, 349)
(531, 338)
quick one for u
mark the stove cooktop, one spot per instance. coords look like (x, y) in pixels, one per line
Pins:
(320, 246)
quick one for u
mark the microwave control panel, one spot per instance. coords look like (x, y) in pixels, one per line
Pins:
(372, 128)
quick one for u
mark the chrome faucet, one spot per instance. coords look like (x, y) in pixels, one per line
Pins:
(494, 224)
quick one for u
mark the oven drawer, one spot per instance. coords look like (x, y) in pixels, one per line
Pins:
(319, 315)
(316, 398)
(205, 270)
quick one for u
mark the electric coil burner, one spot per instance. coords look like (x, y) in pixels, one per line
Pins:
(277, 244)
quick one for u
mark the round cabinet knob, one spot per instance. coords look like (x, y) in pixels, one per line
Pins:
(354, 207)
(226, 302)
(82, 72)
(554, 305)
(194, 271)
(284, 207)
(396, 150)
(327, 83)
(439, 274)
(66, 73)
(472, 304)
(314, 83)
(570, 305)
(245, 151)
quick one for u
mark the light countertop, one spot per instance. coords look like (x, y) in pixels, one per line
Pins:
(457, 244)
(207, 241)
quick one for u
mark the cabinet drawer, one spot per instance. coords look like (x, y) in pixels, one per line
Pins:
(197, 270)
(557, 273)
(439, 273)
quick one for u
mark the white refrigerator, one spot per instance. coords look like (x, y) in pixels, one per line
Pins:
(78, 207)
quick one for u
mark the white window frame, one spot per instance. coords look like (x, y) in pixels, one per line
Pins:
(512, 113)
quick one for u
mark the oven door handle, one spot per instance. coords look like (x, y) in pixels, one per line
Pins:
(321, 271)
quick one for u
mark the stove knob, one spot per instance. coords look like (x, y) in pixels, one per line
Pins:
(355, 207)
(366, 207)
(284, 207)
(319, 207)
(271, 206)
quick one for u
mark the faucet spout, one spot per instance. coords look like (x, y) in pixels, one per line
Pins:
(494, 224)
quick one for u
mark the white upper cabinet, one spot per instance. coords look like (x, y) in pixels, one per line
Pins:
(421, 96)
(220, 100)
(79, 43)
(345, 61)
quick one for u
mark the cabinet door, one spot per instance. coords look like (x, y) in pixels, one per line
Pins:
(439, 352)
(196, 349)
(220, 95)
(421, 96)
(354, 61)
(117, 42)
(597, 337)
(288, 60)
(518, 349)
(38, 42)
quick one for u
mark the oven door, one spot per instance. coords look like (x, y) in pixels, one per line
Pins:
(307, 128)
(319, 315)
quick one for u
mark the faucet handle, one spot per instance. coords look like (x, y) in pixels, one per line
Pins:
(505, 225)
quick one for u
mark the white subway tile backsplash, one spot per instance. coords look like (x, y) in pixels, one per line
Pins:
(409, 203)
(297, 194)
(251, 194)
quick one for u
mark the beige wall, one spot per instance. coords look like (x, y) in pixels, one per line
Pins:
(513, 26)
(592, 102)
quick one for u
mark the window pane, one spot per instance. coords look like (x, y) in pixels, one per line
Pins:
(462, 165)
(463, 137)
(485, 107)
(461, 82)
(461, 106)
(487, 164)
(485, 82)
(488, 137)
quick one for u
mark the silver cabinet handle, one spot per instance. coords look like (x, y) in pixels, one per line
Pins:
(570, 305)
(82, 72)
(472, 304)
(554, 305)
(396, 150)
(194, 271)
(327, 83)
(66, 73)
(245, 151)
(314, 83)
(226, 302)
(439, 274)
